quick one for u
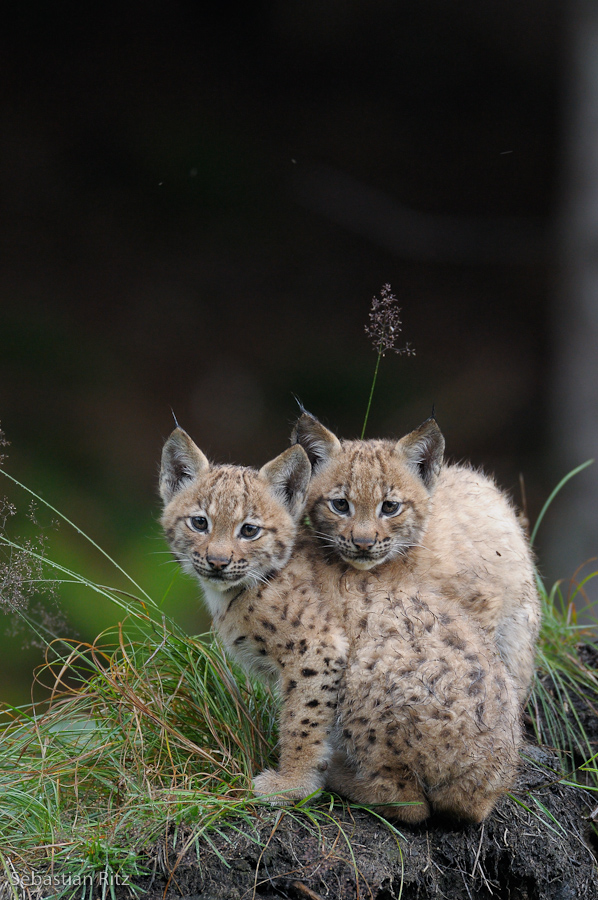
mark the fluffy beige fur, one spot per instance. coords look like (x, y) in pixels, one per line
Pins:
(388, 694)
(393, 507)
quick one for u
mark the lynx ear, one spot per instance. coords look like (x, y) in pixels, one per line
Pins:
(319, 443)
(288, 476)
(182, 461)
(424, 451)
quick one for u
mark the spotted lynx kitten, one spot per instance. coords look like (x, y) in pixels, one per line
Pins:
(366, 503)
(234, 528)
(386, 696)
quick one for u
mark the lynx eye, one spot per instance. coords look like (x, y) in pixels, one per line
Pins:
(340, 505)
(198, 523)
(390, 507)
(249, 531)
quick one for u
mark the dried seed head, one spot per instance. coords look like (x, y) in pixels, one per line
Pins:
(385, 324)
(3, 443)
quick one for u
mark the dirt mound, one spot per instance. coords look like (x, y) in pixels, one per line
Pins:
(543, 852)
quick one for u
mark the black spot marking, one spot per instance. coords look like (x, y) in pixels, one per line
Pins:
(308, 673)
(240, 639)
(313, 703)
(259, 639)
(453, 640)
(291, 686)
(269, 626)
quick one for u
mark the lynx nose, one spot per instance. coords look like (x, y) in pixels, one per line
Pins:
(364, 541)
(217, 562)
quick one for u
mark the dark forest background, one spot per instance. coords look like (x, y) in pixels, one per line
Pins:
(198, 203)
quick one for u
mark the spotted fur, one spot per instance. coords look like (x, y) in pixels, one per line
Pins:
(387, 696)
(265, 606)
(447, 525)
(427, 714)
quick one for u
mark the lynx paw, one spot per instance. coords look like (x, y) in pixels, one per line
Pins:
(284, 789)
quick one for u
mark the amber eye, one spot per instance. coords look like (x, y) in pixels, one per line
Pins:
(198, 523)
(390, 507)
(249, 531)
(340, 505)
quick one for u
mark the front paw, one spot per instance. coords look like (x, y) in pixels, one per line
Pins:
(281, 789)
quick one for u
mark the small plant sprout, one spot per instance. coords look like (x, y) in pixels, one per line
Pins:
(383, 330)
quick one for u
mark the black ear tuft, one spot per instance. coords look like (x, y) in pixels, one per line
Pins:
(182, 462)
(424, 451)
(319, 443)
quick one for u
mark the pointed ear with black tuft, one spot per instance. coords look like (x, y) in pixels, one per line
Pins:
(424, 451)
(182, 462)
(288, 477)
(319, 443)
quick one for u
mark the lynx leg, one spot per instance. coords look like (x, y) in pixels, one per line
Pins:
(469, 806)
(373, 788)
(308, 689)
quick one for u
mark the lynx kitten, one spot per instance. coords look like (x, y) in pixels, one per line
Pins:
(234, 529)
(387, 696)
(391, 508)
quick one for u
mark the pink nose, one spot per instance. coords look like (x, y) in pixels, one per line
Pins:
(364, 541)
(218, 562)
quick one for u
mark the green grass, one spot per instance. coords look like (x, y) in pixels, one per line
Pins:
(147, 733)
(565, 689)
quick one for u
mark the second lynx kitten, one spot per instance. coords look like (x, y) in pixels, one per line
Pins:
(386, 695)
(395, 509)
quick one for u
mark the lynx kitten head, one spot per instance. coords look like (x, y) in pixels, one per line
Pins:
(229, 525)
(369, 500)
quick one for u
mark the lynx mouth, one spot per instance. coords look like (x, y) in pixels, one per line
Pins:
(222, 581)
(362, 561)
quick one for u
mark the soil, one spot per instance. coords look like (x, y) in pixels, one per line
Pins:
(543, 850)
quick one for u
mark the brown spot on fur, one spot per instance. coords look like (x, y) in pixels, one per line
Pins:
(453, 640)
